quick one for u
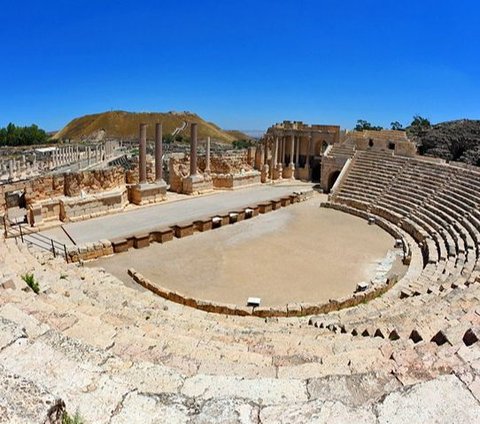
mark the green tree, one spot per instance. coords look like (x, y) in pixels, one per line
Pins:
(12, 135)
(363, 125)
(396, 126)
(419, 126)
(242, 144)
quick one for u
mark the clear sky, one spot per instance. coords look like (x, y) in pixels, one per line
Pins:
(243, 64)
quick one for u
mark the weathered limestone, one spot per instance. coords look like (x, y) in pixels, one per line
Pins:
(145, 193)
(158, 153)
(193, 149)
(142, 153)
(207, 166)
(195, 182)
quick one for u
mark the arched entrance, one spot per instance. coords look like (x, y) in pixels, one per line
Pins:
(316, 171)
(332, 178)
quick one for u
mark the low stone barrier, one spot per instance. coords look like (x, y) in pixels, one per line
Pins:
(92, 251)
(289, 310)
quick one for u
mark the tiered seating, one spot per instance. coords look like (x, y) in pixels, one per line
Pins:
(118, 353)
(434, 202)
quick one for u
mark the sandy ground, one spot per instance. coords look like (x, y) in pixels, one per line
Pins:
(302, 253)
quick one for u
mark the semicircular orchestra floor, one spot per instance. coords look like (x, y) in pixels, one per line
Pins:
(302, 253)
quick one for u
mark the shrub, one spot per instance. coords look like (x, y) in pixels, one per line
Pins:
(31, 282)
(76, 419)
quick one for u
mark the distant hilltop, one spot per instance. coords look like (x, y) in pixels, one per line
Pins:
(124, 125)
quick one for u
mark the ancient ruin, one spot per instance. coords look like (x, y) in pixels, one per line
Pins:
(127, 265)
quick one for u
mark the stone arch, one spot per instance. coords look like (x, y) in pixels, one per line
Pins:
(332, 178)
(324, 146)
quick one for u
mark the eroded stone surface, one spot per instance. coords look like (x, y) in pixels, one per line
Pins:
(443, 400)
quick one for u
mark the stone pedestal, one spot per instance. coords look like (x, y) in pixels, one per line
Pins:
(142, 194)
(265, 173)
(195, 184)
(278, 172)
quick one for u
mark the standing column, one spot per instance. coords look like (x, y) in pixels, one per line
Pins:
(193, 149)
(158, 152)
(297, 155)
(265, 158)
(142, 154)
(275, 156)
(309, 148)
(292, 147)
(10, 169)
(88, 155)
(207, 168)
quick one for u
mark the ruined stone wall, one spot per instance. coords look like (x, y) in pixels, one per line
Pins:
(132, 175)
(227, 171)
(67, 184)
(93, 181)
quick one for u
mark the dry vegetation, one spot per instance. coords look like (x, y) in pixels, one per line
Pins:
(124, 125)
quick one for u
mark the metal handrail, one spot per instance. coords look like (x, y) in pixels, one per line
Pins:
(35, 238)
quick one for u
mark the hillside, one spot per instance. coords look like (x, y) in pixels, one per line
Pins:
(454, 140)
(124, 125)
(238, 135)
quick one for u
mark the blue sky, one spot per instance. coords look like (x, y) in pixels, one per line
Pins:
(242, 64)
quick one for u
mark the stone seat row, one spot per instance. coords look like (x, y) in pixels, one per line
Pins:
(117, 353)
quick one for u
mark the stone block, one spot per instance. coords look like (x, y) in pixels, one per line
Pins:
(142, 194)
(265, 207)
(141, 240)
(203, 224)
(162, 235)
(120, 245)
(276, 204)
(183, 229)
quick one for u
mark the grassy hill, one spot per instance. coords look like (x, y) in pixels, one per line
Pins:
(124, 125)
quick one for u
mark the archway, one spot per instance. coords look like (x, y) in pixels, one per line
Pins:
(324, 146)
(332, 178)
(316, 171)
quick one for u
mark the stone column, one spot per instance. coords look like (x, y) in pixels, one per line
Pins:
(142, 154)
(207, 167)
(193, 149)
(10, 169)
(158, 152)
(265, 158)
(292, 148)
(297, 155)
(274, 157)
(309, 148)
(88, 155)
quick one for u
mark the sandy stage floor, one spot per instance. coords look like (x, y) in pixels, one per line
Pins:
(302, 253)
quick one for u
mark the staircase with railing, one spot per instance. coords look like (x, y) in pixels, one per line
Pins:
(21, 232)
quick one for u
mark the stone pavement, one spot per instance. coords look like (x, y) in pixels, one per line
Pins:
(165, 214)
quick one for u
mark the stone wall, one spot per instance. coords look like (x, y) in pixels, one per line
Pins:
(67, 184)
(227, 171)
(93, 181)
(132, 175)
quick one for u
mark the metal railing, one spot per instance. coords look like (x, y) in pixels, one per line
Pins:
(28, 236)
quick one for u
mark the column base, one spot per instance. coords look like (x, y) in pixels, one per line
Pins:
(142, 194)
(197, 184)
(278, 172)
(265, 175)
